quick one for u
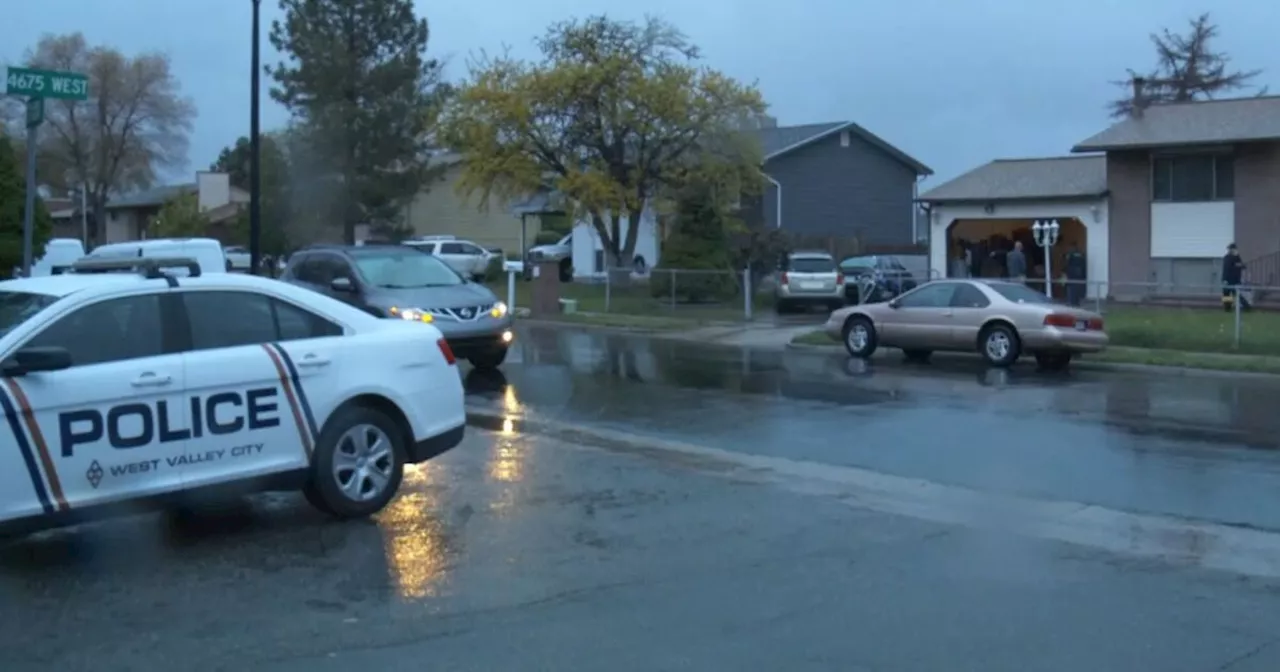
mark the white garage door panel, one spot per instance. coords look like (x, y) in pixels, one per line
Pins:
(1192, 229)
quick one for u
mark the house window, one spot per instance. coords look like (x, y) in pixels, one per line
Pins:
(1193, 177)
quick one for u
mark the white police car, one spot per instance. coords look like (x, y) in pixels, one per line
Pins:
(126, 386)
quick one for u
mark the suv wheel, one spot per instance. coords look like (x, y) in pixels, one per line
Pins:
(488, 359)
(358, 463)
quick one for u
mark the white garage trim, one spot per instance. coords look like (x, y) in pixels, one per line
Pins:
(1092, 213)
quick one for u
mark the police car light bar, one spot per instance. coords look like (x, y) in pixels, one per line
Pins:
(149, 267)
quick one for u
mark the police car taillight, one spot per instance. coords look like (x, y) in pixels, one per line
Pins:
(447, 351)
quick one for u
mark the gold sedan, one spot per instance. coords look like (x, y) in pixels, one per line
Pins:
(1001, 320)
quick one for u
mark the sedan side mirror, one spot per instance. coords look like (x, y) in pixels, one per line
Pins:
(342, 285)
(895, 304)
(34, 360)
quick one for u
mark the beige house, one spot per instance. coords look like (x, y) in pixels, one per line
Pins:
(441, 210)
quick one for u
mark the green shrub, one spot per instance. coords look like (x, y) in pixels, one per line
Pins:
(700, 244)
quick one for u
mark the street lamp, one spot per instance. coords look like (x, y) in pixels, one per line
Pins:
(255, 178)
(1046, 233)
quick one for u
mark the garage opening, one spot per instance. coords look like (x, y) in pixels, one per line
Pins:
(976, 248)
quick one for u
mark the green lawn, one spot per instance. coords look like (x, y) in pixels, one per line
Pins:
(1192, 329)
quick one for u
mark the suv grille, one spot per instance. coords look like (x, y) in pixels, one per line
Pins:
(461, 314)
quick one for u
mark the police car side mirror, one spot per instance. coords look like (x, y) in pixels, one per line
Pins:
(36, 359)
(342, 285)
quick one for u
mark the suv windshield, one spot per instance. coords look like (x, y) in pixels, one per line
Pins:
(17, 307)
(404, 268)
(1019, 293)
(813, 265)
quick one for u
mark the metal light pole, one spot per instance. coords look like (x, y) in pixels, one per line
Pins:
(1046, 233)
(255, 178)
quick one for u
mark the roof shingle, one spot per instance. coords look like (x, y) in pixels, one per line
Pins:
(1025, 179)
(1200, 123)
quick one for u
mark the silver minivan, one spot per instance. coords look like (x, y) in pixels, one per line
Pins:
(809, 278)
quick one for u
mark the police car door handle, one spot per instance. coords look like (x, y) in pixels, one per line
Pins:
(150, 379)
(313, 361)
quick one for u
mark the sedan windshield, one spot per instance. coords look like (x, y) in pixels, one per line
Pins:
(18, 307)
(404, 268)
(1019, 293)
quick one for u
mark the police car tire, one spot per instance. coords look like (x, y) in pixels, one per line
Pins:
(323, 490)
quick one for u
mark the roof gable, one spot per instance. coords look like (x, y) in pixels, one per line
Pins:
(1200, 123)
(1026, 179)
(780, 140)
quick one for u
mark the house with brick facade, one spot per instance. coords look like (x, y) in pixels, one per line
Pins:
(1182, 182)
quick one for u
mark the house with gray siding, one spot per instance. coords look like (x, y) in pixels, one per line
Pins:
(838, 179)
(1184, 180)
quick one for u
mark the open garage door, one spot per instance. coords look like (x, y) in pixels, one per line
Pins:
(982, 244)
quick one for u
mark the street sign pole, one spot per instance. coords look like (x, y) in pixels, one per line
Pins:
(37, 85)
(35, 115)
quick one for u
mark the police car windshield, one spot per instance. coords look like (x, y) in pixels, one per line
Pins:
(17, 307)
(403, 269)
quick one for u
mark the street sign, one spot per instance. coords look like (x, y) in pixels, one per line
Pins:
(46, 84)
(35, 112)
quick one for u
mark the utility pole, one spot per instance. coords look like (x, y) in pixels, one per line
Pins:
(255, 159)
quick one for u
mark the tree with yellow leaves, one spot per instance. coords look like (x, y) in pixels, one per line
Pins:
(615, 116)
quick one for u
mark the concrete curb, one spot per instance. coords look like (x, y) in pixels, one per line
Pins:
(1182, 541)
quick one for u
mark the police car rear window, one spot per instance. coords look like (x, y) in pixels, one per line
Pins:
(18, 307)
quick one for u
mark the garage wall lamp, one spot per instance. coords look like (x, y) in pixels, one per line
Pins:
(1096, 212)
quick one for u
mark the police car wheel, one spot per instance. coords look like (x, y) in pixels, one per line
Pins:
(358, 463)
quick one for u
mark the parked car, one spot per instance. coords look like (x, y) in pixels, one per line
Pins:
(1001, 320)
(238, 258)
(393, 282)
(463, 256)
(207, 252)
(876, 277)
(59, 253)
(561, 251)
(809, 278)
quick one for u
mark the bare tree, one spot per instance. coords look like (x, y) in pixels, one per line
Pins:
(134, 125)
(1187, 69)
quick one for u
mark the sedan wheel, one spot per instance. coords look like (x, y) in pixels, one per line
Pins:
(1000, 345)
(860, 337)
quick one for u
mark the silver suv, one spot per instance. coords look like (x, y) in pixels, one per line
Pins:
(401, 283)
(809, 278)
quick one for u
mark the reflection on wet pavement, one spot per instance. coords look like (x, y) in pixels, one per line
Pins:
(1191, 446)
(416, 541)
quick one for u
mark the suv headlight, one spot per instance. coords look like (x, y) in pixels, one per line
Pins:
(411, 314)
(499, 309)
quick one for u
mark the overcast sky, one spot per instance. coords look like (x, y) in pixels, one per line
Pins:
(954, 83)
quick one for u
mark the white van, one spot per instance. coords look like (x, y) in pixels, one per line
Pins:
(205, 251)
(59, 253)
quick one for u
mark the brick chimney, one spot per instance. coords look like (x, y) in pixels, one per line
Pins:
(1139, 101)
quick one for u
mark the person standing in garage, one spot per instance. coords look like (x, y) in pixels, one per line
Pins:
(1016, 263)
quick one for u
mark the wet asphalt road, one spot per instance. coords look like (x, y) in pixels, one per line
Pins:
(519, 552)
